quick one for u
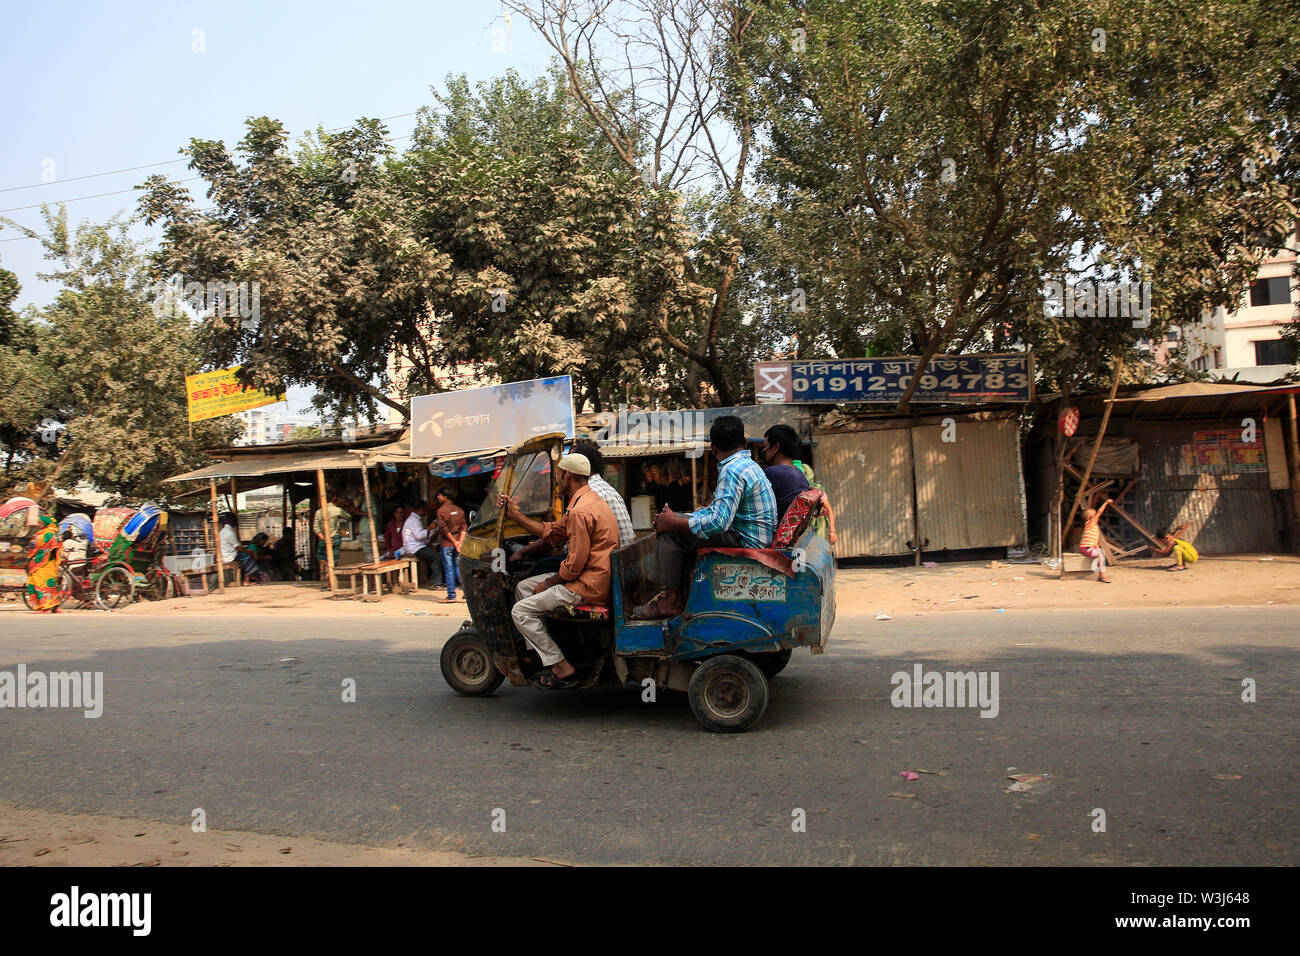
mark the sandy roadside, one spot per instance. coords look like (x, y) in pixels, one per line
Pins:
(1233, 580)
(44, 838)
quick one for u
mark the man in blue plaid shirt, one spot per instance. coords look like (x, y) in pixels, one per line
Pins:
(741, 515)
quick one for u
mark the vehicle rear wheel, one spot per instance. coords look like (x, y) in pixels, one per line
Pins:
(728, 694)
(158, 585)
(773, 662)
(115, 588)
(467, 666)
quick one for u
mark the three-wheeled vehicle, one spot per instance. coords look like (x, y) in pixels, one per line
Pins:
(747, 610)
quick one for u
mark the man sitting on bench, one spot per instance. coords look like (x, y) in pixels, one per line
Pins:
(741, 515)
(584, 577)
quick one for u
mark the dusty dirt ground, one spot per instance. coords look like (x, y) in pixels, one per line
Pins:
(1233, 580)
(41, 838)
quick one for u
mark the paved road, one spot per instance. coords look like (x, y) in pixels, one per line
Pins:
(1133, 712)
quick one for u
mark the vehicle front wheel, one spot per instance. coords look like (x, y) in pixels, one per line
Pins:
(115, 588)
(728, 694)
(467, 666)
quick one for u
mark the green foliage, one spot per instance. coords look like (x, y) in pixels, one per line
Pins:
(932, 165)
(99, 362)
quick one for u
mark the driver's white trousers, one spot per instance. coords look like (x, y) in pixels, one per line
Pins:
(529, 611)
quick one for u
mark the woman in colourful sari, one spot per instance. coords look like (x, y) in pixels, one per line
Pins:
(44, 552)
(43, 558)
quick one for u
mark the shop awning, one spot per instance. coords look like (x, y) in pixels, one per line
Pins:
(693, 448)
(260, 465)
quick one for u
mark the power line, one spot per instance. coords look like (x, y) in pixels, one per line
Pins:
(111, 172)
(169, 162)
(116, 192)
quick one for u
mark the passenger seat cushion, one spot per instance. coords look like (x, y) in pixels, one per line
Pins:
(794, 522)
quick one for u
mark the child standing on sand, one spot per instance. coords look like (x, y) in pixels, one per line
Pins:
(1183, 552)
(1090, 543)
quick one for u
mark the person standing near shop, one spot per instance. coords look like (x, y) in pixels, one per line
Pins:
(451, 533)
(337, 515)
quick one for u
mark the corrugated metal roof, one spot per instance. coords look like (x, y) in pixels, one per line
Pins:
(257, 466)
(1194, 400)
(637, 451)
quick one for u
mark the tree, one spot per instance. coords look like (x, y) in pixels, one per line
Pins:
(301, 432)
(100, 393)
(933, 165)
(504, 237)
(664, 83)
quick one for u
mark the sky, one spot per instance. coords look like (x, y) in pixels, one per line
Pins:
(94, 87)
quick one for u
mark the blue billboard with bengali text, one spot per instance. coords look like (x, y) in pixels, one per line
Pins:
(1005, 377)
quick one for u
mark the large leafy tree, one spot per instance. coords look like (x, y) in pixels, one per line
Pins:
(506, 237)
(95, 382)
(663, 82)
(933, 165)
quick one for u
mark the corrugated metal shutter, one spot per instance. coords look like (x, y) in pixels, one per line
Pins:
(1230, 510)
(868, 478)
(969, 491)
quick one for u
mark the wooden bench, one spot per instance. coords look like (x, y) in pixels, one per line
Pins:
(403, 577)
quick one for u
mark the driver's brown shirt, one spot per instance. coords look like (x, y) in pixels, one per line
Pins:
(592, 532)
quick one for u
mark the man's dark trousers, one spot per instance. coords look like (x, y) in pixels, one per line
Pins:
(433, 561)
(675, 556)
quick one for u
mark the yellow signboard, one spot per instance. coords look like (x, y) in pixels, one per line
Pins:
(213, 394)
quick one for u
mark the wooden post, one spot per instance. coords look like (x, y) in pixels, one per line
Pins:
(327, 528)
(1295, 470)
(216, 534)
(1096, 447)
(234, 508)
(374, 539)
(695, 492)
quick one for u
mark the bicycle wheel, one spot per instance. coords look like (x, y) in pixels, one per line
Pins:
(115, 588)
(158, 584)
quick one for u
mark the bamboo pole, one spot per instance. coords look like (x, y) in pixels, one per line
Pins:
(1096, 447)
(370, 513)
(1295, 466)
(234, 508)
(326, 527)
(216, 533)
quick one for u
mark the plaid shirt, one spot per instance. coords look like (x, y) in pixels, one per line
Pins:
(615, 501)
(743, 502)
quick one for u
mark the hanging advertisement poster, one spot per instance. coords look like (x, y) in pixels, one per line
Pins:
(213, 394)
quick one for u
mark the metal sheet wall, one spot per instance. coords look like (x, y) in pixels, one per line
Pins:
(1230, 511)
(868, 478)
(969, 491)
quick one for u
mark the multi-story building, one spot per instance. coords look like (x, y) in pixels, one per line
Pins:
(265, 426)
(1247, 342)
